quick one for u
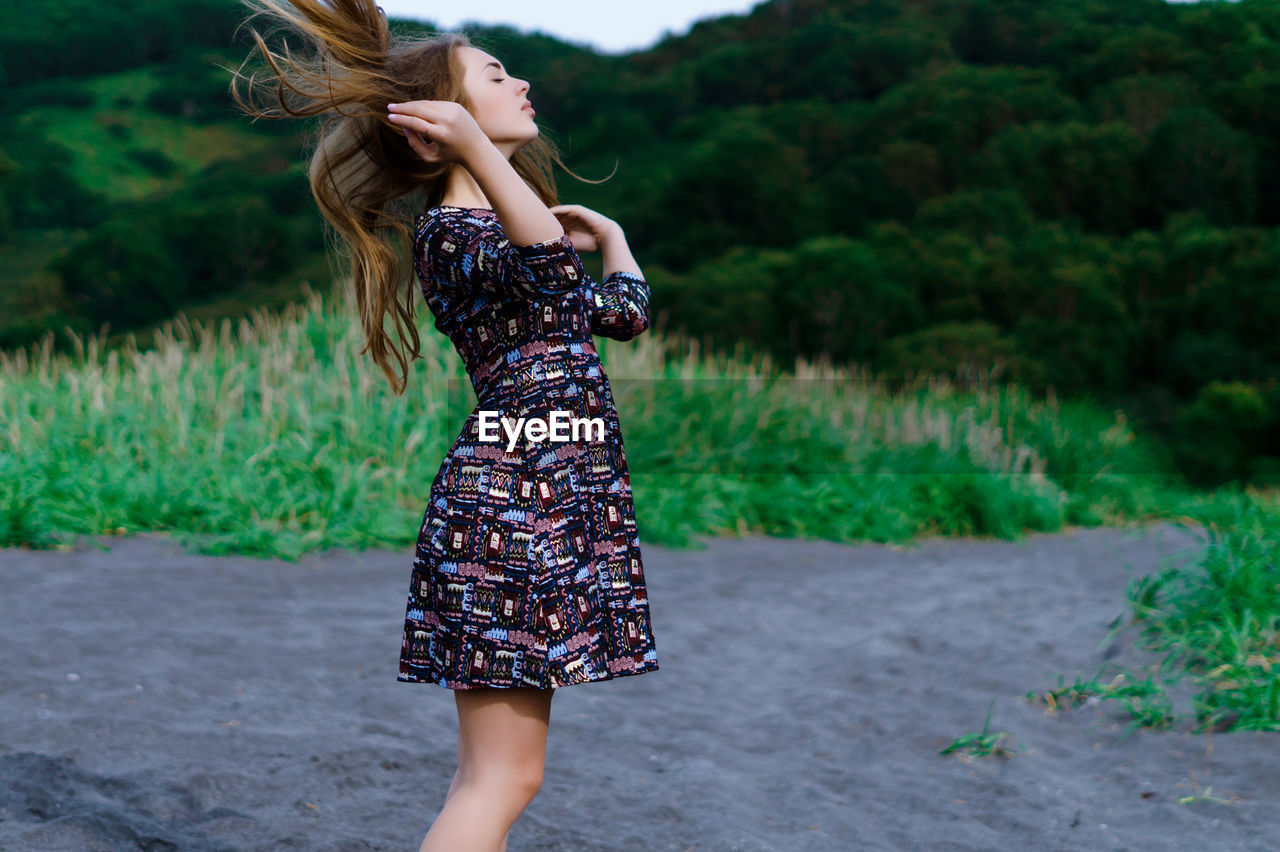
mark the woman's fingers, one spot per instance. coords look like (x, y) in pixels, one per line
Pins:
(413, 115)
(417, 132)
(409, 121)
(421, 147)
(418, 109)
(413, 134)
(409, 108)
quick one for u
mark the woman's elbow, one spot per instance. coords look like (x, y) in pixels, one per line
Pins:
(635, 325)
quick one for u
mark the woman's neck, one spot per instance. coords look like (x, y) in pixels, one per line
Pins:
(463, 191)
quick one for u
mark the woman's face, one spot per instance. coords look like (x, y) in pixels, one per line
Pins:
(497, 100)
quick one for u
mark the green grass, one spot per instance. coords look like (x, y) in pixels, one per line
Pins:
(273, 436)
(988, 743)
(1212, 621)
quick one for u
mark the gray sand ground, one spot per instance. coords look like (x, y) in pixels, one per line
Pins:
(152, 699)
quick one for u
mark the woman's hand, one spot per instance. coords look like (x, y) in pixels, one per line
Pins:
(586, 228)
(439, 131)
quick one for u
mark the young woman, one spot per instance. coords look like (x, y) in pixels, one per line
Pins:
(527, 573)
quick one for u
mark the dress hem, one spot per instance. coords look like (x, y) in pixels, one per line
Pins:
(465, 684)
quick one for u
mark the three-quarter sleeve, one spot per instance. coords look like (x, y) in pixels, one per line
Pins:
(468, 251)
(619, 305)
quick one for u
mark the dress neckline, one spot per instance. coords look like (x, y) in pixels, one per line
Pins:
(426, 214)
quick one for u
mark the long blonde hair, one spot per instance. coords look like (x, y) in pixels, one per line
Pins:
(368, 183)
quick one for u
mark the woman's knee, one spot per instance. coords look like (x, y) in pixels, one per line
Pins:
(510, 788)
(519, 779)
(527, 780)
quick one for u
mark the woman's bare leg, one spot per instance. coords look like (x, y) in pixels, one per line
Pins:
(453, 786)
(502, 743)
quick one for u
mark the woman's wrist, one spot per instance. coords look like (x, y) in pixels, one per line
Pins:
(616, 253)
(611, 233)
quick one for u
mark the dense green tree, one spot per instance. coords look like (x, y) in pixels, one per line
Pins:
(125, 274)
(837, 299)
(1196, 161)
(973, 346)
(1219, 434)
(1085, 193)
(1077, 172)
(737, 184)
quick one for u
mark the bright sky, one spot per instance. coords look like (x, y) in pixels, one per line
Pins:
(608, 27)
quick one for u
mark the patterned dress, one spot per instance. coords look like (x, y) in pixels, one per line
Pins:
(527, 569)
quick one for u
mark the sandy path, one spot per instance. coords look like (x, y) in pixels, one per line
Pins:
(805, 691)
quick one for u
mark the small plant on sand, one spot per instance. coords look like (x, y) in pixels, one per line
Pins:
(1066, 697)
(984, 744)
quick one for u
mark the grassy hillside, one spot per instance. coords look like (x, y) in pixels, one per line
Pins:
(120, 148)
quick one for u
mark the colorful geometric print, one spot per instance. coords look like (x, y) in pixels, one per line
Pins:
(527, 570)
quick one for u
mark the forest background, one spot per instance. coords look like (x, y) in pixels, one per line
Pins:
(1079, 197)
